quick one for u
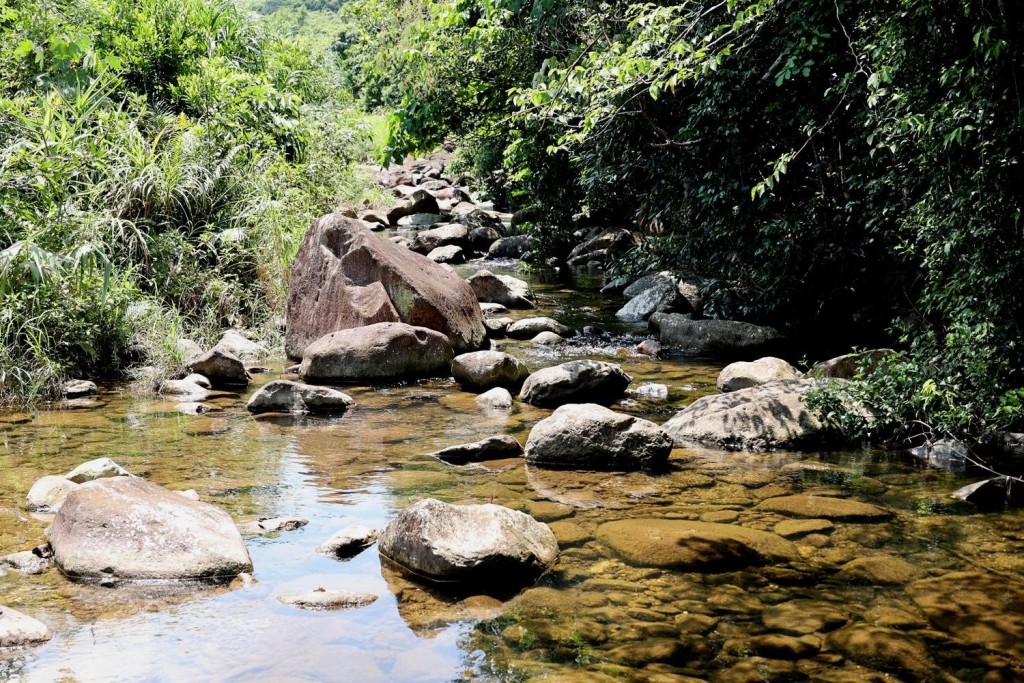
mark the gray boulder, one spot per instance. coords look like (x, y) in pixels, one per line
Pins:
(760, 418)
(379, 351)
(579, 380)
(715, 338)
(448, 254)
(501, 289)
(660, 295)
(129, 528)
(496, 447)
(19, 630)
(452, 234)
(509, 247)
(49, 493)
(222, 368)
(196, 378)
(497, 398)
(100, 468)
(348, 542)
(528, 328)
(743, 375)
(591, 437)
(284, 396)
(547, 339)
(77, 388)
(479, 544)
(485, 369)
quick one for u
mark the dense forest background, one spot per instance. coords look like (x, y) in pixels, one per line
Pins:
(847, 170)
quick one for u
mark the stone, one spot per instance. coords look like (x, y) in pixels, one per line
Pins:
(348, 542)
(501, 289)
(847, 367)
(944, 454)
(129, 528)
(794, 528)
(48, 493)
(591, 437)
(222, 368)
(547, 339)
(886, 650)
(180, 388)
(449, 254)
(197, 379)
(273, 525)
(77, 388)
(481, 239)
(487, 544)
(28, 561)
(693, 546)
(772, 646)
(321, 599)
(661, 295)
(19, 630)
(480, 218)
(346, 277)
(484, 369)
(601, 245)
(419, 201)
(99, 468)
(421, 220)
(496, 327)
(636, 654)
(569, 533)
(802, 617)
(579, 380)
(371, 216)
(187, 349)
(496, 447)
(767, 417)
(451, 235)
(285, 396)
(527, 328)
(238, 345)
(834, 509)
(509, 247)
(998, 493)
(492, 309)
(743, 375)
(884, 570)
(497, 398)
(196, 408)
(715, 338)
(649, 347)
(378, 351)
(651, 392)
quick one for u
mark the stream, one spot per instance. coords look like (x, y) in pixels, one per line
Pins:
(933, 593)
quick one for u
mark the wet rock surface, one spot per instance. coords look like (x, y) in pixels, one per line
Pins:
(284, 396)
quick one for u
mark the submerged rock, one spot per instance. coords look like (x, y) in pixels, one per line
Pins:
(321, 599)
(802, 617)
(19, 630)
(743, 375)
(693, 546)
(884, 570)
(346, 277)
(488, 369)
(496, 447)
(501, 289)
(284, 396)
(481, 544)
(822, 507)
(591, 437)
(887, 650)
(715, 338)
(49, 493)
(223, 369)
(579, 380)
(379, 351)
(99, 468)
(129, 528)
(348, 542)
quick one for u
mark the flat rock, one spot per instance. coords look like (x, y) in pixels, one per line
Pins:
(794, 528)
(497, 398)
(496, 447)
(884, 570)
(887, 650)
(27, 561)
(19, 630)
(48, 493)
(693, 546)
(486, 369)
(588, 381)
(196, 408)
(715, 338)
(99, 468)
(378, 351)
(591, 437)
(285, 396)
(77, 388)
(222, 368)
(348, 542)
(528, 328)
(802, 617)
(501, 289)
(181, 388)
(271, 525)
(743, 375)
(823, 507)
(320, 600)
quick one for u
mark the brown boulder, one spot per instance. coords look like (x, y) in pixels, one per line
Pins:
(344, 276)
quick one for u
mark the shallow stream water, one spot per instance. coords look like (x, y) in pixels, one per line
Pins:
(939, 598)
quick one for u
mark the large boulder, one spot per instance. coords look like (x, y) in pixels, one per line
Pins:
(715, 338)
(528, 328)
(222, 368)
(847, 367)
(442, 236)
(513, 246)
(506, 290)
(591, 437)
(592, 381)
(760, 418)
(346, 277)
(480, 544)
(661, 294)
(379, 351)
(743, 374)
(129, 528)
(284, 396)
(419, 201)
(485, 369)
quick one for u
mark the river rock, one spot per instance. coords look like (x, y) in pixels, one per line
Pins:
(601, 245)
(129, 528)
(501, 289)
(693, 546)
(579, 380)
(794, 528)
(348, 542)
(743, 375)
(452, 234)
(802, 617)
(661, 295)
(195, 408)
(77, 388)
(481, 239)
(421, 220)
(884, 570)
(822, 507)
(321, 599)
(30, 562)
(488, 369)
(199, 380)
(649, 347)
(419, 201)
(993, 494)
(372, 216)
(527, 328)
(187, 349)
(272, 525)
(448, 254)
(760, 418)
(496, 447)
(284, 396)
(715, 338)
(847, 367)
(346, 277)
(100, 468)
(19, 630)
(591, 437)
(379, 351)
(181, 388)
(487, 544)
(497, 398)
(496, 327)
(944, 454)
(887, 650)
(509, 247)
(547, 339)
(48, 493)
(223, 369)
(238, 345)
